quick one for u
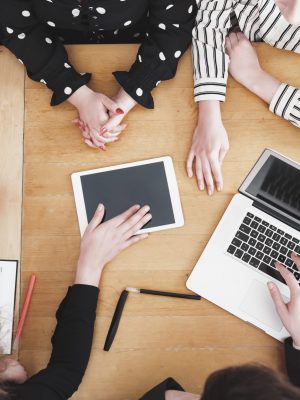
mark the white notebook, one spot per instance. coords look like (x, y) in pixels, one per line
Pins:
(8, 280)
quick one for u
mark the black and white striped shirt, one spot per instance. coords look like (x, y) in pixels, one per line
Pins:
(260, 20)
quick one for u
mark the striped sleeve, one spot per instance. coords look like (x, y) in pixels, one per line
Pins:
(209, 57)
(286, 104)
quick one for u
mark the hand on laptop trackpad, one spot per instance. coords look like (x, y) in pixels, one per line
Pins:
(258, 304)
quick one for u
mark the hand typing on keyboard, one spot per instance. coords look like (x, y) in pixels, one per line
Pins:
(289, 313)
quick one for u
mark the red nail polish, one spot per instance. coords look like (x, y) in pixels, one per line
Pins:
(119, 111)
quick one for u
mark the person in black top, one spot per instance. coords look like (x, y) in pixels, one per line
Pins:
(36, 31)
(73, 336)
(72, 339)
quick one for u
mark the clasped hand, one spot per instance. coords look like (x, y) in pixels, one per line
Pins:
(100, 117)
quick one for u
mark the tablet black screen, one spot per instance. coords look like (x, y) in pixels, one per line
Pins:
(122, 188)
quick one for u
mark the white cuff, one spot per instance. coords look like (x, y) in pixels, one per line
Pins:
(296, 347)
(210, 89)
(284, 100)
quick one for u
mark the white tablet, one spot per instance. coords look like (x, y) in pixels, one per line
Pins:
(151, 182)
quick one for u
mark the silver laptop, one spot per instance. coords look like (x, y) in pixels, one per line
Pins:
(260, 226)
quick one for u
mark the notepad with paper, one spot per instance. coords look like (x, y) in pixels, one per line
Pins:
(8, 280)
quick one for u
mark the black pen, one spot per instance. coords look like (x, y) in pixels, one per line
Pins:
(166, 294)
(121, 303)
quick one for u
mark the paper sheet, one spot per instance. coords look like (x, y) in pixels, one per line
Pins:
(8, 279)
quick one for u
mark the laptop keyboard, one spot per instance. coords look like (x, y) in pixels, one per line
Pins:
(260, 245)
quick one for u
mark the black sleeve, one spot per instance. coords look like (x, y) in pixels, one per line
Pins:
(37, 47)
(169, 35)
(72, 342)
(292, 359)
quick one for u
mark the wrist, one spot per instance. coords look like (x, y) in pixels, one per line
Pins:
(88, 274)
(125, 101)
(296, 341)
(79, 96)
(262, 84)
(209, 112)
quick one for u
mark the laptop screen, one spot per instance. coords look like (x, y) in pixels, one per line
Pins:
(277, 183)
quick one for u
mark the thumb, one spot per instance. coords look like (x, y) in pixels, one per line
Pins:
(280, 306)
(97, 218)
(111, 105)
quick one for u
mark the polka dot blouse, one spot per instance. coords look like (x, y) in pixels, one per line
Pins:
(36, 31)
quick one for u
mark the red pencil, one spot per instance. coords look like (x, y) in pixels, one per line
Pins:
(24, 311)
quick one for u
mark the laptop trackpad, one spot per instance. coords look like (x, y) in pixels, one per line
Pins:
(259, 305)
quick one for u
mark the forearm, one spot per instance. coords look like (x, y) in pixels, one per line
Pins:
(263, 85)
(72, 342)
(209, 110)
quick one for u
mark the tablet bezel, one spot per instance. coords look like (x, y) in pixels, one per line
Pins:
(172, 186)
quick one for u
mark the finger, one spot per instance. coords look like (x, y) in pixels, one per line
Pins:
(76, 121)
(280, 306)
(90, 143)
(222, 154)
(134, 240)
(296, 260)
(134, 219)
(228, 45)
(111, 105)
(240, 36)
(118, 129)
(199, 173)
(233, 39)
(135, 228)
(99, 138)
(120, 219)
(189, 164)
(207, 175)
(216, 171)
(97, 218)
(289, 278)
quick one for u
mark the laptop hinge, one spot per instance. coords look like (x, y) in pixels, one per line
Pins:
(277, 215)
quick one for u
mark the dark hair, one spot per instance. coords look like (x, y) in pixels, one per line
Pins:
(248, 382)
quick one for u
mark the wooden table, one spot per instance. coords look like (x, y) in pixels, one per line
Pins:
(158, 337)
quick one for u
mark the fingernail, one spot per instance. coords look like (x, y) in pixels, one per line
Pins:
(201, 186)
(119, 111)
(147, 208)
(270, 285)
(219, 188)
(190, 174)
(100, 207)
(149, 216)
(209, 192)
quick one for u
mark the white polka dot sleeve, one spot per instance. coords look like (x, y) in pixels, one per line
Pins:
(286, 104)
(169, 35)
(208, 49)
(43, 55)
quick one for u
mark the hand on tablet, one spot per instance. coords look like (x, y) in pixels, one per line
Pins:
(101, 242)
(209, 147)
(289, 313)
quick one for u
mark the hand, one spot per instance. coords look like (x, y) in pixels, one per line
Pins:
(12, 371)
(95, 110)
(245, 68)
(290, 10)
(126, 103)
(209, 147)
(102, 242)
(289, 313)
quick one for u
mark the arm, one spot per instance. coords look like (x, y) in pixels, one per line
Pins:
(210, 142)
(283, 100)
(38, 49)
(170, 33)
(72, 339)
(290, 316)
(209, 56)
